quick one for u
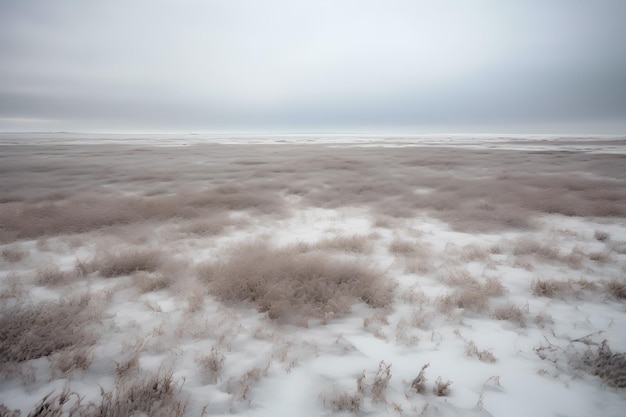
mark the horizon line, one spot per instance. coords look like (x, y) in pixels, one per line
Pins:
(309, 133)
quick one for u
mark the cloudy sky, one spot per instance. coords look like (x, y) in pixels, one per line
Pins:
(437, 66)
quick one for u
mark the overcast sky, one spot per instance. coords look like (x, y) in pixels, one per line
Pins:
(515, 66)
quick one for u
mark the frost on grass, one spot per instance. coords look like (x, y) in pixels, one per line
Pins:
(441, 388)
(419, 383)
(128, 261)
(52, 275)
(583, 354)
(353, 243)
(381, 381)
(287, 283)
(153, 395)
(344, 402)
(470, 294)
(511, 313)
(617, 288)
(601, 235)
(608, 365)
(471, 350)
(13, 253)
(34, 331)
(211, 365)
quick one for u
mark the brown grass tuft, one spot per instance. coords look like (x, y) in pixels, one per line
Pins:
(600, 257)
(419, 383)
(154, 395)
(211, 365)
(151, 281)
(13, 253)
(511, 313)
(549, 287)
(128, 366)
(471, 350)
(52, 275)
(381, 380)
(470, 294)
(474, 252)
(128, 261)
(441, 389)
(6, 412)
(34, 331)
(65, 363)
(402, 247)
(608, 365)
(287, 284)
(343, 402)
(353, 243)
(526, 246)
(601, 235)
(616, 289)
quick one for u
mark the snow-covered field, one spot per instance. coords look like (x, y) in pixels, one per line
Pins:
(312, 275)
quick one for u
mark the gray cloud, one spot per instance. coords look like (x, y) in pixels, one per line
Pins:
(321, 65)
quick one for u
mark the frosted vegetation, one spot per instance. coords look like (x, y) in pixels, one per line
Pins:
(350, 278)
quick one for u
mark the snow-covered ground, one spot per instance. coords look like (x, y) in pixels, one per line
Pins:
(128, 257)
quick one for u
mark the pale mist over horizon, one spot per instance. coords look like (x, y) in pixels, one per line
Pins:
(348, 66)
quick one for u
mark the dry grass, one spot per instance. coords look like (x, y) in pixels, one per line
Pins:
(154, 395)
(490, 287)
(471, 350)
(6, 412)
(211, 225)
(527, 246)
(14, 287)
(402, 247)
(573, 287)
(471, 294)
(151, 281)
(87, 211)
(246, 383)
(52, 275)
(287, 284)
(353, 243)
(211, 365)
(549, 288)
(467, 300)
(600, 257)
(619, 248)
(381, 381)
(511, 313)
(441, 388)
(127, 367)
(195, 302)
(616, 288)
(419, 383)
(418, 266)
(199, 192)
(475, 253)
(601, 235)
(88, 188)
(344, 402)
(31, 331)
(13, 253)
(608, 365)
(128, 261)
(65, 363)
(542, 319)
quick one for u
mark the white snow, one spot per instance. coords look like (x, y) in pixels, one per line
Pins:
(301, 368)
